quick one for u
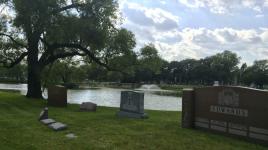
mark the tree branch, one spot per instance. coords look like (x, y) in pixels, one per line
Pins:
(52, 58)
(13, 40)
(85, 50)
(15, 62)
(75, 5)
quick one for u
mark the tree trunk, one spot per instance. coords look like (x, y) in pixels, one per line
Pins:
(34, 81)
(34, 73)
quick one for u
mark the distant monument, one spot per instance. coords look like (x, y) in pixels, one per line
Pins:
(132, 105)
(216, 83)
(88, 106)
(150, 87)
(57, 96)
(236, 111)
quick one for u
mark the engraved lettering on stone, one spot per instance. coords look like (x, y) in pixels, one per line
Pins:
(258, 130)
(218, 128)
(219, 123)
(238, 132)
(130, 105)
(229, 111)
(228, 101)
(228, 97)
(237, 126)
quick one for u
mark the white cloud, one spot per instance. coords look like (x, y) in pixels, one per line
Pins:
(163, 2)
(197, 43)
(160, 27)
(153, 17)
(264, 35)
(226, 6)
(259, 16)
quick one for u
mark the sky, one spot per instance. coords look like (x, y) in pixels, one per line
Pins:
(182, 29)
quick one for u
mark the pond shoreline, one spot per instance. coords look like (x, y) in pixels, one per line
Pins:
(110, 97)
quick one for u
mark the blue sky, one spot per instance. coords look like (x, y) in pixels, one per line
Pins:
(183, 29)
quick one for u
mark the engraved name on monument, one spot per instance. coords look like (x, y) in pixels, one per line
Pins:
(237, 111)
(228, 103)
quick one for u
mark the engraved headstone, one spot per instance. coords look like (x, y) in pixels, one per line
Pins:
(88, 106)
(57, 96)
(43, 114)
(132, 105)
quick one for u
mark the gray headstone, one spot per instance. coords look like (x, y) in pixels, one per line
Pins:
(132, 105)
(88, 106)
(57, 126)
(44, 114)
(47, 121)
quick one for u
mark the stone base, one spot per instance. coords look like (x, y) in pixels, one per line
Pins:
(132, 115)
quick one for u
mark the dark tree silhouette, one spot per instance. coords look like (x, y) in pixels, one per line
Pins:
(42, 31)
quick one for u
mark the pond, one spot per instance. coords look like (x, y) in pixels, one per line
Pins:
(110, 97)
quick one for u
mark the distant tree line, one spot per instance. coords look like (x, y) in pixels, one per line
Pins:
(17, 74)
(146, 66)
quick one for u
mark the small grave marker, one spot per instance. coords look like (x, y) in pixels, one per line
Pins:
(88, 106)
(44, 114)
(48, 121)
(57, 126)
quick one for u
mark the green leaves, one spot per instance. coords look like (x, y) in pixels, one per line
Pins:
(88, 24)
(256, 74)
(150, 60)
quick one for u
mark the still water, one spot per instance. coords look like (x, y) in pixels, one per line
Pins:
(110, 97)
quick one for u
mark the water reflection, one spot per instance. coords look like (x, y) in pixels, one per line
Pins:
(110, 97)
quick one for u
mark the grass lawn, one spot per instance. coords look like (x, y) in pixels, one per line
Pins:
(19, 129)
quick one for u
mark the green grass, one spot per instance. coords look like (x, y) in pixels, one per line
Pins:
(174, 87)
(19, 129)
(169, 93)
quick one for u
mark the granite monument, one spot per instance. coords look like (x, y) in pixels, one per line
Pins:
(236, 111)
(57, 96)
(132, 105)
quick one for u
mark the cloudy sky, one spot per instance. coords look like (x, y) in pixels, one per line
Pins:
(183, 29)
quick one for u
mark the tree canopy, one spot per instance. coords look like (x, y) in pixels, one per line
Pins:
(46, 30)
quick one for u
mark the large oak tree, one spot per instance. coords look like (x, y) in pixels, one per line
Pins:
(42, 31)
